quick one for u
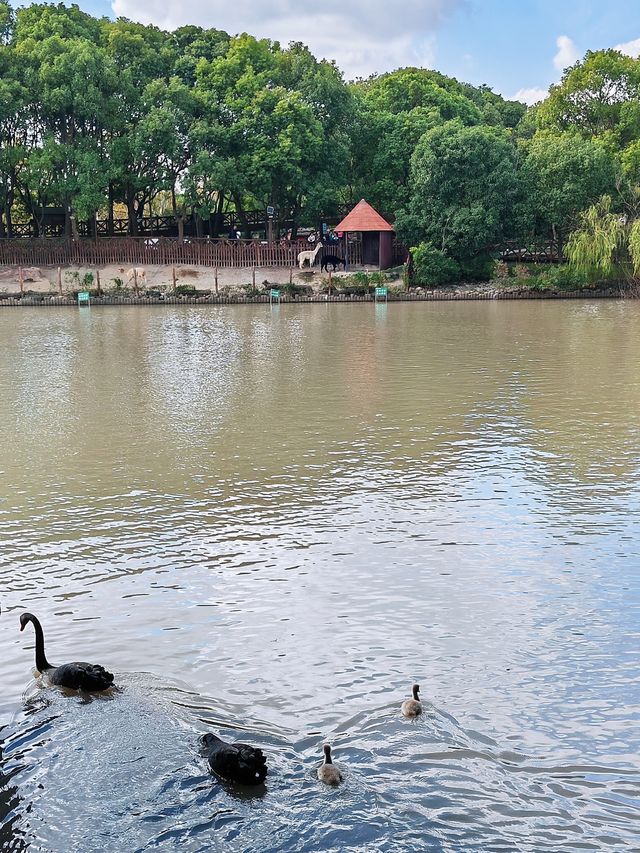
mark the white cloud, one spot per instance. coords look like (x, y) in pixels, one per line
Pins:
(567, 53)
(363, 36)
(530, 96)
(631, 48)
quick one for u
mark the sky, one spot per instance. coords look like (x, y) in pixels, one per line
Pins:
(518, 47)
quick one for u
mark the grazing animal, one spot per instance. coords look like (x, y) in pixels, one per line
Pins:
(309, 255)
(77, 675)
(413, 707)
(328, 772)
(331, 260)
(135, 274)
(236, 762)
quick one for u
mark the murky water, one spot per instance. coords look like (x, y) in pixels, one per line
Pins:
(270, 522)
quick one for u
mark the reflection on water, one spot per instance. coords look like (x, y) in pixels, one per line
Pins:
(286, 517)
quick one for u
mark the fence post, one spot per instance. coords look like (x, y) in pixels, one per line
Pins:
(173, 276)
(135, 280)
(253, 277)
(21, 279)
(60, 281)
(98, 283)
(216, 280)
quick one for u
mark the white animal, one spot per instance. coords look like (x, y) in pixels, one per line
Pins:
(310, 256)
(136, 275)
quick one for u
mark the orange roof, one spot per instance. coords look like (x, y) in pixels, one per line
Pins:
(363, 217)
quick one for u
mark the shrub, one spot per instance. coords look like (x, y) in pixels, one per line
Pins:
(185, 290)
(433, 267)
(522, 271)
(561, 277)
(478, 268)
(500, 270)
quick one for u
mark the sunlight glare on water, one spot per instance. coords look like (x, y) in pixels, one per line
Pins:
(270, 522)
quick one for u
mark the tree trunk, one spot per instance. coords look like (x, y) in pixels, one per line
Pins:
(242, 216)
(75, 236)
(131, 212)
(110, 215)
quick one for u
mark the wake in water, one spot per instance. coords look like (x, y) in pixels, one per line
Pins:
(127, 773)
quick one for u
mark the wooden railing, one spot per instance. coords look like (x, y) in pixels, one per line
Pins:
(150, 251)
(537, 251)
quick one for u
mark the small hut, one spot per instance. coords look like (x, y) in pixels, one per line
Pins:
(377, 234)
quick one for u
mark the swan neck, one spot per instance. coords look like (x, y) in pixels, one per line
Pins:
(41, 659)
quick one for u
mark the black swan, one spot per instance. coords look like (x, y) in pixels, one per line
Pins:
(77, 676)
(328, 772)
(413, 707)
(236, 762)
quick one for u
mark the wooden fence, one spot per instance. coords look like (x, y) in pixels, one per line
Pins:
(538, 251)
(144, 251)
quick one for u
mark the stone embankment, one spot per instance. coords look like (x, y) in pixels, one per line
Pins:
(467, 295)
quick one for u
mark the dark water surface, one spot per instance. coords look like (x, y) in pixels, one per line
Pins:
(269, 522)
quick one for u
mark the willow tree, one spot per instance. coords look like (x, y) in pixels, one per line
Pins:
(606, 244)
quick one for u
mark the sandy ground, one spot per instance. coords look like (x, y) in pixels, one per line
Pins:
(45, 279)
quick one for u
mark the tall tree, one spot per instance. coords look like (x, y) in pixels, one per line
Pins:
(464, 185)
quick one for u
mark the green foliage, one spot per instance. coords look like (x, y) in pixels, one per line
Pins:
(432, 267)
(596, 248)
(185, 290)
(559, 277)
(500, 270)
(598, 97)
(477, 268)
(464, 185)
(564, 173)
(95, 113)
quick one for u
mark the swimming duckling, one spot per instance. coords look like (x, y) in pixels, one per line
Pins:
(328, 772)
(413, 707)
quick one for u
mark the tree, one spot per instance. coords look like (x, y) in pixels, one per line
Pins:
(71, 86)
(564, 174)
(599, 97)
(464, 184)
(606, 243)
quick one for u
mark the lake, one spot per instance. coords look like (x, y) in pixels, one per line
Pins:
(270, 521)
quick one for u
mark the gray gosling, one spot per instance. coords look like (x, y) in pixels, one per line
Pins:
(413, 707)
(328, 772)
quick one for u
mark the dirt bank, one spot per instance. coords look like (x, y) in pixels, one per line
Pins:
(114, 278)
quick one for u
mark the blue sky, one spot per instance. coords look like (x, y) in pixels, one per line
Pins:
(515, 46)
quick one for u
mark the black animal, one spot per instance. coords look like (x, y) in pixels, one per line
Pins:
(77, 675)
(236, 762)
(331, 260)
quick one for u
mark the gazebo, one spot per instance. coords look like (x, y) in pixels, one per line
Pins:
(377, 234)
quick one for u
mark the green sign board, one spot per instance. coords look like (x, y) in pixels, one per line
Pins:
(381, 291)
(274, 293)
(83, 297)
